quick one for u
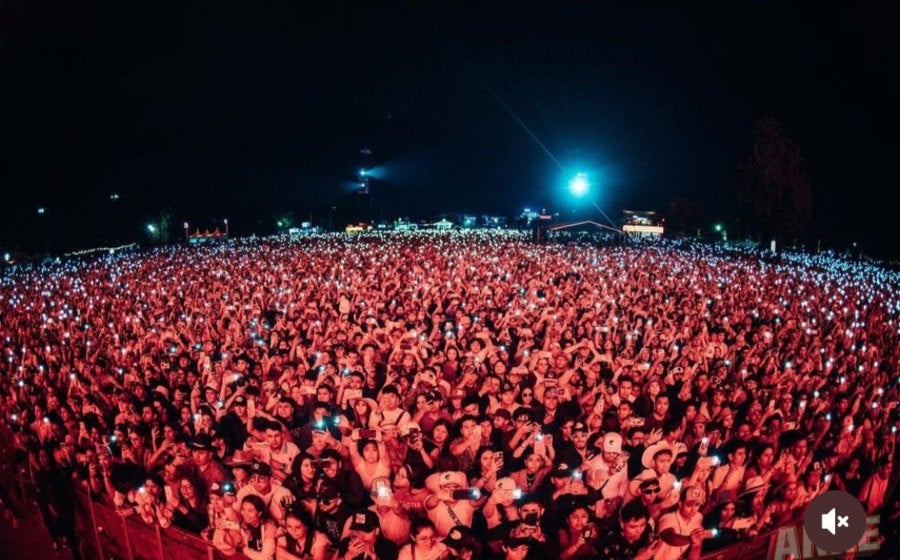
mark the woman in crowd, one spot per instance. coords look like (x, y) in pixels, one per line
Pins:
(424, 543)
(257, 532)
(300, 541)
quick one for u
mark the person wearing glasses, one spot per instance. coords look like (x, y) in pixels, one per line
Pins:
(190, 508)
(424, 544)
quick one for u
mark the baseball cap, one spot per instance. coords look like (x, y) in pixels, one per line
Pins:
(261, 469)
(364, 520)
(329, 491)
(693, 494)
(222, 488)
(459, 536)
(610, 443)
(561, 470)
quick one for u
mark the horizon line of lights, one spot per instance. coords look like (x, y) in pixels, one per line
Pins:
(100, 249)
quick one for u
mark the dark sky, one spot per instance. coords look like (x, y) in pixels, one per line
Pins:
(211, 110)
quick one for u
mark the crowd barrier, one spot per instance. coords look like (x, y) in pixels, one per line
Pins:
(106, 535)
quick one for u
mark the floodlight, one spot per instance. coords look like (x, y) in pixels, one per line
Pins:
(578, 186)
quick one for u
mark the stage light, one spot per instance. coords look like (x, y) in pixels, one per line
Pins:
(151, 228)
(362, 172)
(579, 184)
(717, 227)
(41, 210)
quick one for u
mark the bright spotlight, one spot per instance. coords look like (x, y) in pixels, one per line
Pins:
(362, 172)
(151, 228)
(578, 186)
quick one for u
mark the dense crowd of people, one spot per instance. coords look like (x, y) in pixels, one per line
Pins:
(455, 395)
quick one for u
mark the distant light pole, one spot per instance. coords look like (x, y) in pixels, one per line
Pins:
(719, 228)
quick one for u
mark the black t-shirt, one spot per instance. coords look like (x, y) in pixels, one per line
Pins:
(332, 524)
(384, 550)
(616, 547)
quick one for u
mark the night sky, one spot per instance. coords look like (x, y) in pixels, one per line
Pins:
(209, 110)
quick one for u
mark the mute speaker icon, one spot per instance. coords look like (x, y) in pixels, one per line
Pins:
(828, 521)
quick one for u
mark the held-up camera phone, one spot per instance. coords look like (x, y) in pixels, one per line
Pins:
(367, 433)
(530, 519)
(466, 494)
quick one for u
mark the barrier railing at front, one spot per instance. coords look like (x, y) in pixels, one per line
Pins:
(106, 535)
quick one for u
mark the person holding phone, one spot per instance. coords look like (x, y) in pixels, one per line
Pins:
(682, 530)
(577, 537)
(451, 502)
(369, 457)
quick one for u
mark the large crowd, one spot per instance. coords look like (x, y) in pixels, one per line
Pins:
(455, 395)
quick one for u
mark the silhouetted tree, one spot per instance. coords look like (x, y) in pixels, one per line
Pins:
(684, 215)
(774, 185)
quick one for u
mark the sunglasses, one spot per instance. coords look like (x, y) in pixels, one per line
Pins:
(649, 491)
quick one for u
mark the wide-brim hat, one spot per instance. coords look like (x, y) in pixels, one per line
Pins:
(371, 402)
(634, 485)
(201, 442)
(754, 485)
(652, 451)
(240, 458)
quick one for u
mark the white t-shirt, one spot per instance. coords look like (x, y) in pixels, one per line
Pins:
(682, 527)
(443, 521)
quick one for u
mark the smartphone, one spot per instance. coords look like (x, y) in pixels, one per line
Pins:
(587, 533)
(466, 494)
(414, 434)
(530, 519)
(382, 489)
(498, 457)
(367, 433)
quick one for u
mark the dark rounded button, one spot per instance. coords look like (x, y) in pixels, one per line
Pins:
(835, 521)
